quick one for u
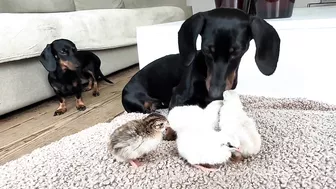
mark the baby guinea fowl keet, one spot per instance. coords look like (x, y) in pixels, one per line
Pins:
(137, 138)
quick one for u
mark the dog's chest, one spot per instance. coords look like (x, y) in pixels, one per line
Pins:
(67, 77)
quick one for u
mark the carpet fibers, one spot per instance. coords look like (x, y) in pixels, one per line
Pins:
(298, 151)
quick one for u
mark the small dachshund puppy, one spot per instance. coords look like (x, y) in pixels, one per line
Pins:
(67, 67)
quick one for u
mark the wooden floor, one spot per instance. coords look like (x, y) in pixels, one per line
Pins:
(32, 127)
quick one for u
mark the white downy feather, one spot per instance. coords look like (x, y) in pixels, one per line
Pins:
(197, 141)
(203, 146)
(182, 117)
(235, 121)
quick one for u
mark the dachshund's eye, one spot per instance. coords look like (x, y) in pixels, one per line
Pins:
(63, 51)
(212, 49)
(209, 50)
(231, 50)
(235, 52)
(206, 51)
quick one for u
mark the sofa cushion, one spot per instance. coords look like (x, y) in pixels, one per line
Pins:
(36, 6)
(133, 4)
(98, 4)
(129, 4)
(26, 35)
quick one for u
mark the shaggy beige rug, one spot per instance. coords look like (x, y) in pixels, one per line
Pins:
(298, 151)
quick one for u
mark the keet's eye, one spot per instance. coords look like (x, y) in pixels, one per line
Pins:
(229, 145)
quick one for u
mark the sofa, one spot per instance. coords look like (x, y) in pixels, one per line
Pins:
(107, 27)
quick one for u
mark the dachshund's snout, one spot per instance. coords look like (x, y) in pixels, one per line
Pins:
(216, 93)
(71, 64)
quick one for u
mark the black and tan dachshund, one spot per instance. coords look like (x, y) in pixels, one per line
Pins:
(67, 68)
(203, 75)
(151, 87)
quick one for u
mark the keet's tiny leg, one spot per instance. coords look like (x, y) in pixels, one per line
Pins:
(61, 108)
(205, 169)
(135, 163)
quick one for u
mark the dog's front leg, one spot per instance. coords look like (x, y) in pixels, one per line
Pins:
(62, 107)
(182, 92)
(78, 92)
(60, 96)
(95, 88)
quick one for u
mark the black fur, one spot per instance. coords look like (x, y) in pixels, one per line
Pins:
(226, 34)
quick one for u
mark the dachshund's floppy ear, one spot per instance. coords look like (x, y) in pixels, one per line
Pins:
(47, 59)
(267, 43)
(187, 37)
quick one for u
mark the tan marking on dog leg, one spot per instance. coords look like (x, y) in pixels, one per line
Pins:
(80, 104)
(89, 87)
(95, 84)
(95, 89)
(61, 108)
(150, 106)
(147, 105)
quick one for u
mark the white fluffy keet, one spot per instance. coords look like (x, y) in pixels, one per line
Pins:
(194, 117)
(204, 147)
(183, 117)
(235, 121)
(197, 139)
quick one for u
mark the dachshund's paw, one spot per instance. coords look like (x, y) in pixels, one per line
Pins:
(95, 93)
(169, 134)
(60, 111)
(81, 107)
(237, 157)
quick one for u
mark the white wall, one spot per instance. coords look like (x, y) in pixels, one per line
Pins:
(201, 5)
(204, 5)
(303, 3)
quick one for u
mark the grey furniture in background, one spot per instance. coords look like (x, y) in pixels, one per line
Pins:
(107, 27)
